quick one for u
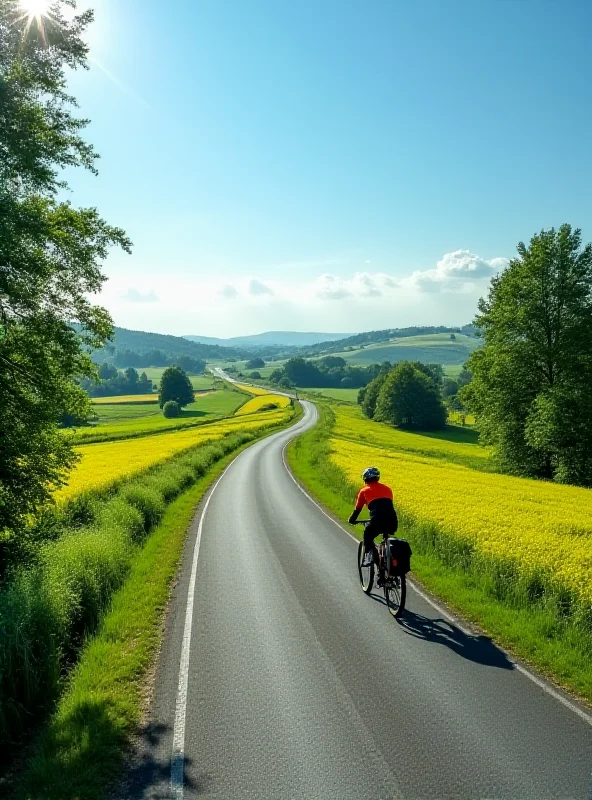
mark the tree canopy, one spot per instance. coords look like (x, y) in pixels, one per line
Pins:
(175, 385)
(531, 379)
(409, 398)
(50, 257)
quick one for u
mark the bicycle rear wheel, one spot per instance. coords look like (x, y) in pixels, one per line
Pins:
(366, 573)
(395, 594)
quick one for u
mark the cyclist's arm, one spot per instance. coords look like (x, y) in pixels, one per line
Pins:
(360, 503)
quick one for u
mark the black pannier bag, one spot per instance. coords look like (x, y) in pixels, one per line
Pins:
(399, 554)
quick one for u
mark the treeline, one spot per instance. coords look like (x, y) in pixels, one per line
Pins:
(328, 372)
(157, 358)
(115, 382)
(374, 337)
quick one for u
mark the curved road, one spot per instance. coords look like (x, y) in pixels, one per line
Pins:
(283, 680)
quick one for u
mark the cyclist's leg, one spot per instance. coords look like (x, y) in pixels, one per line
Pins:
(371, 531)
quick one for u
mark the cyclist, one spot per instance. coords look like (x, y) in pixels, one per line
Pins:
(383, 517)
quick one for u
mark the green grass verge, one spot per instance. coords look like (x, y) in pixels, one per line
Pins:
(83, 746)
(537, 628)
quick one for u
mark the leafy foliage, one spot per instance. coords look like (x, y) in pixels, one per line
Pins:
(531, 380)
(328, 372)
(255, 363)
(50, 255)
(410, 399)
(171, 409)
(112, 382)
(175, 385)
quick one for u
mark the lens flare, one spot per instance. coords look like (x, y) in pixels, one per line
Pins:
(35, 8)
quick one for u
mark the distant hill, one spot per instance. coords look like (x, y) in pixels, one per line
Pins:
(271, 339)
(142, 343)
(434, 348)
(387, 335)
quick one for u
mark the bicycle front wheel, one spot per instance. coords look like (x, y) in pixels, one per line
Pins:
(366, 573)
(395, 594)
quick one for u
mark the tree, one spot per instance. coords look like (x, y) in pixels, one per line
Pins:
(194, 366)
(131, 376)
(171, 409)
(453, 337)
(531, 379)
(107, 371)
(175, 385)
(408, 398)
(370, 396)
(256, 375)
(255, 363)
(449, 387)
(50, 257)
(464, 377)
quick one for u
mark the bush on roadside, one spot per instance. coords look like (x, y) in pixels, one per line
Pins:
(171, 409)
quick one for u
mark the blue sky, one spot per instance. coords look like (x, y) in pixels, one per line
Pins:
(330, 165)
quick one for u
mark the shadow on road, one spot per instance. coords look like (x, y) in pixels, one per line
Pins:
(148, 773)
(479, 649)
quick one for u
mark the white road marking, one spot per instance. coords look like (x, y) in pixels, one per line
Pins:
(178, 757)
(540, 683)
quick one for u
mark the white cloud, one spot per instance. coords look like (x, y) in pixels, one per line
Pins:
(257, 288)
(329, 287)
(230, 304)
(228, 291)
(455, 272)
(133, 295)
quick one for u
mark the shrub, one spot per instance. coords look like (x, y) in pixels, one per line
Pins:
(148, 500)
(171, 409)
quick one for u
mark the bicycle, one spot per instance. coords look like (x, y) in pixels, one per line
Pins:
(393, 584)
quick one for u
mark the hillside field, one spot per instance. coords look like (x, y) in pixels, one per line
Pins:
(437, 348)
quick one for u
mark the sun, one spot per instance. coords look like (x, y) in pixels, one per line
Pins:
(35, 8)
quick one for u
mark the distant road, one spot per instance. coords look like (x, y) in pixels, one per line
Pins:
(299, 686)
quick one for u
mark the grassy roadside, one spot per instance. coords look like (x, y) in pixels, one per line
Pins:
(554, 643)
(83, 745)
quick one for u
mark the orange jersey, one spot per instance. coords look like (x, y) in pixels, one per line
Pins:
(378, 498)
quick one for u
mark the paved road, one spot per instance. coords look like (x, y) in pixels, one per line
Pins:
(300, 686)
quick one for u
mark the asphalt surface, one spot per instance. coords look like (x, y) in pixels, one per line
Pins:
(301, 686)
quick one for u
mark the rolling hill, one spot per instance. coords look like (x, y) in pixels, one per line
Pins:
(436, 348)
(271, 339)
(144, 342)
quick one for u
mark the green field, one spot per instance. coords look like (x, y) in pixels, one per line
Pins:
(120, 421)
(346, 395)
(452, 370)
(437, 348)
(265, 371)
(197, 381)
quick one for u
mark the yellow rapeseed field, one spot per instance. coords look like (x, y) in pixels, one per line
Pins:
(105, 462)
(251, 389)
(257, 403)
(351, 424)
(536, 524)
(125, 398)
